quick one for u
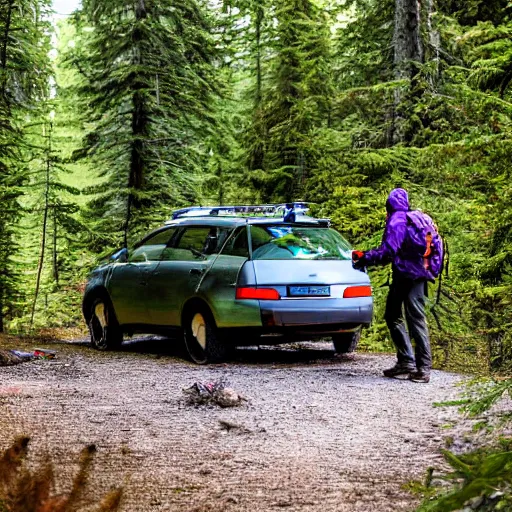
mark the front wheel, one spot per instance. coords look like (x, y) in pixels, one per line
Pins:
(105, 331)
(201, 341)
(346, 342)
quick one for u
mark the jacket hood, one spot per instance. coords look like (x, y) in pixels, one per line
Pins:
(398, 201)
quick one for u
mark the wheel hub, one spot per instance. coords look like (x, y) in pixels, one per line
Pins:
(199, 329)
(99, 311)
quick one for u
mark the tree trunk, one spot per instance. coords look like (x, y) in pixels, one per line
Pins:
(1, 307)
(258, 155)
(139, 127)
(407, 37)
(45, 225)
(5, 44)
(221, 182)
(434, 41)
(55, 254)
(259, 78)
(408, 48)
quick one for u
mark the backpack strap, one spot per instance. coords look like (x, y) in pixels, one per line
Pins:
(445, 263)
(428, 252)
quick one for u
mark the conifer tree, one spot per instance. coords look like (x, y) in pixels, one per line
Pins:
(24, 72)
(59, 231)
(148, 78)
(297, 98)
(255, 40)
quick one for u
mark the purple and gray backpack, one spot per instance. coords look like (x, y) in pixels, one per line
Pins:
(423, 240)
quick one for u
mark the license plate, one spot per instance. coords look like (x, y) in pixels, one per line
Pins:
(309, 291)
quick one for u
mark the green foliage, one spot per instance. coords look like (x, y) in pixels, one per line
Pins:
(363, 45)
(484, 476)
(470, 12)
(24, 72)
(480, 475)
(52, 249)
(148, 81)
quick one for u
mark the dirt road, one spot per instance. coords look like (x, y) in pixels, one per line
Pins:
(318, 434)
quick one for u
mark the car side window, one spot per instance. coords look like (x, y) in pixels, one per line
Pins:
(197, 243)
(238, 245)
(152, 249)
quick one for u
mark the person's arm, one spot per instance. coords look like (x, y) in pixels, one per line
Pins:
(392, 240)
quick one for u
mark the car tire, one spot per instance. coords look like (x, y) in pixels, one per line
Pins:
(201, 338)
(106, 334)
(346, 342)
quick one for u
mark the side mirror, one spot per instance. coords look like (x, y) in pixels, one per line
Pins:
(120, 256)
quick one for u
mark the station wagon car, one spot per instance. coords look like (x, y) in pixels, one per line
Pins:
(232, 276)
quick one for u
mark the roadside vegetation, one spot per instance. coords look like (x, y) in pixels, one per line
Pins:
(480, 479)
(127, 110)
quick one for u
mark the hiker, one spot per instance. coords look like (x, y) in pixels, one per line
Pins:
(411, 243)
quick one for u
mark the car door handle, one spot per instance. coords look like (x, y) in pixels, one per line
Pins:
(196, 271)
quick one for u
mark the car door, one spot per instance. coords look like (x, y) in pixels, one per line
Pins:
(219, 285)
(128, 283)
(180, 272)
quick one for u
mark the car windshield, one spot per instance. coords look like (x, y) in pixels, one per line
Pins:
(280, 242)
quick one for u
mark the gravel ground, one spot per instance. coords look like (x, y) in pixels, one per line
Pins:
(317, 434)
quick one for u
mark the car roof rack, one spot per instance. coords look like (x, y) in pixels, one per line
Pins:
(262, 210)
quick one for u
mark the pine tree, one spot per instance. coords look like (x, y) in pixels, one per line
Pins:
(148, 79)
(55, 215)
(296, 101)
(24, 72)
(255, 50)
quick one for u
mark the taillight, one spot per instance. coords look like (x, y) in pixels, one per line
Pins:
(353, 292)
(257, 293)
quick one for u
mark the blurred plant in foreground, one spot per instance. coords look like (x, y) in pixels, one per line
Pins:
(32, 490)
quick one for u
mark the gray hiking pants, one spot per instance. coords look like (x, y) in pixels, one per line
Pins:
(409, 295)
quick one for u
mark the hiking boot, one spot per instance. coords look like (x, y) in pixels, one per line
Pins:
(422, 375)
(398, 370)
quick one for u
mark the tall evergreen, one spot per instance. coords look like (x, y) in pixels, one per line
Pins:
(24, 74)
(254, 39)
(51, 209)
(297, 98)
(148, 79)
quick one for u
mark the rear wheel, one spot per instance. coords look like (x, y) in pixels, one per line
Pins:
(105, 331)
(201, 338)
(346, 342)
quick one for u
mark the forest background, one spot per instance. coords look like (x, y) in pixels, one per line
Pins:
(129, 109)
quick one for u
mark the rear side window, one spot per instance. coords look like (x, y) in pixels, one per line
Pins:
(197, 243)
(238, 244)
(282, 242)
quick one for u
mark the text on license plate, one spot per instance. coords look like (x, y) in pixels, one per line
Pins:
(309, 291)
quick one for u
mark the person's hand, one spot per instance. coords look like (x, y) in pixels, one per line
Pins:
(358, 259)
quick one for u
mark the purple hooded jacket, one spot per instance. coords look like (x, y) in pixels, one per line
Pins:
(397, 207)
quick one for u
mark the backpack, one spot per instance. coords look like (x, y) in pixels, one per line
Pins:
(423, 240)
